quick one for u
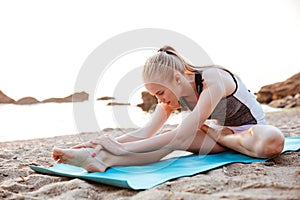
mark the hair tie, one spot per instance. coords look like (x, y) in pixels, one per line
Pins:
(163, 49)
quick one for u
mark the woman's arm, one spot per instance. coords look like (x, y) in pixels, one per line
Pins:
(182, 137)
(177, 139)
(158, 118)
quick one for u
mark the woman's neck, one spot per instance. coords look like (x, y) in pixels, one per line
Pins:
(189, 90)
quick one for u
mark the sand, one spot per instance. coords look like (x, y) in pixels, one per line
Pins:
(279, 178)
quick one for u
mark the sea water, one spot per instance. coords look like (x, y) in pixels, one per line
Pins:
(19, 122)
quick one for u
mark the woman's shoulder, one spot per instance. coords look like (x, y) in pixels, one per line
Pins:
(214, 72)
(213, 68)
(221, 77)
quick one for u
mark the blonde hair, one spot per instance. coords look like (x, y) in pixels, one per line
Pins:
(162, 65)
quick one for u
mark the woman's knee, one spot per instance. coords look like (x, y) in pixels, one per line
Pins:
(271, 144)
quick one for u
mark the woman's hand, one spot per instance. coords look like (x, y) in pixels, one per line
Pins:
(109, 144)
(88, 144)
(103, 142)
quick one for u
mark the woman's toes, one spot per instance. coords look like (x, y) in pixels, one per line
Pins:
(57, 151)
(61, 155)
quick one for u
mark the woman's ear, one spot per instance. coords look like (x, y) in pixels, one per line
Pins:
(177, 78)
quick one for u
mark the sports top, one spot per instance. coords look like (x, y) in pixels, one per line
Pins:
(237, 109)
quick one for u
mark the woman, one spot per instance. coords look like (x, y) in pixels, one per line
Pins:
(209, 93)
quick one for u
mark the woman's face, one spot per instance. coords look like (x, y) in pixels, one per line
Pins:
(164, 94)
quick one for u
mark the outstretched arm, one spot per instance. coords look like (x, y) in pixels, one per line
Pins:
(158, 118)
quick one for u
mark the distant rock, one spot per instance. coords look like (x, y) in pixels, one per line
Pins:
(5, 99)
(280, 90)
(287, 102)
(106, 98)
(118, 104)
(76, 97)
(149, 101)
(27, 100)
(54, 100)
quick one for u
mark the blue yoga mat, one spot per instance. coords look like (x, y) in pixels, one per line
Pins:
(148, 176)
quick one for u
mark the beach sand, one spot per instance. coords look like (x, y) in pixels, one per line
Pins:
(279, 178)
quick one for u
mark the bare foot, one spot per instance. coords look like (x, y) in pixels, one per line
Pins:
(79, 157)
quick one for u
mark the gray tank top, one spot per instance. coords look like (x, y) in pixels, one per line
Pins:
(239, 108)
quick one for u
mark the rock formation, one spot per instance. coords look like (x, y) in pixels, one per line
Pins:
(282, 94)
(27, 100)
(76, 97)
(287, 102)
(118, 104)
(106, 98)
(5, 99)
(149, 101)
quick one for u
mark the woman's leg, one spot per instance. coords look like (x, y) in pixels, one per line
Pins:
(262, 141)
(83, 158)
(201, 144)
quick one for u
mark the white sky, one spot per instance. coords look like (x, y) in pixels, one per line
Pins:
(43, 44)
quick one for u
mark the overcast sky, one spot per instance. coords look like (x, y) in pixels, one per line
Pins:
(43, 44)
